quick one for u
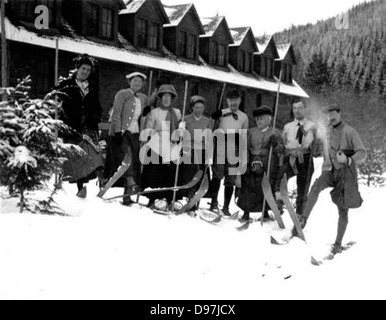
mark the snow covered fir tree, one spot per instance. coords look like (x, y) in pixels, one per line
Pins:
(31, 153)
(82, 217)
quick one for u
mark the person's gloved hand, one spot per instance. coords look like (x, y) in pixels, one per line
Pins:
(182, 125)
(273, 141)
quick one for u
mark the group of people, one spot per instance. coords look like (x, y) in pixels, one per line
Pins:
(289, 152)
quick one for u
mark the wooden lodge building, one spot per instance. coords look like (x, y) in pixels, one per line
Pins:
(144, 35)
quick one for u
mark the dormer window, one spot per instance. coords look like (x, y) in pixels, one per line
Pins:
(100, 22)
(219, 54)
(153, 36)
(142, 33)
(187, 43)
(183, 43)
(92, 23)
(148, 34)
(107, 23)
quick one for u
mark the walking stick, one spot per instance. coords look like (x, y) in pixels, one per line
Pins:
(271, 148)
(143, 123)
(178, 163)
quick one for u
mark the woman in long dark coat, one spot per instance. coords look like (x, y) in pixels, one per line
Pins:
(162, 121)
(260, 140)
(81, 111)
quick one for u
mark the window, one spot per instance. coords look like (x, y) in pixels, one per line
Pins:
(289, 72)
(107, 23)
(182, 41)
(214, 52)
(263, 66)
(221, 55)
(241, 60)
(192, 45)
(248, 62)
(92, 22)
(142, 33)
(153, 35)
(268, 67)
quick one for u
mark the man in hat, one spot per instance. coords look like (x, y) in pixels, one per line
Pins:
(345, 152)
(234, 124)
(129, 105)
(299, 137)
(260, 141)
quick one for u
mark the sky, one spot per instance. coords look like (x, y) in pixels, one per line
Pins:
(270, 16)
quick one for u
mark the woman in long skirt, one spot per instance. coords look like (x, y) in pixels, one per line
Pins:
(162, 121)
(260, 140)
(82, 112)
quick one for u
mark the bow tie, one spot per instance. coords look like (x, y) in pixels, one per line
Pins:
(234, 115)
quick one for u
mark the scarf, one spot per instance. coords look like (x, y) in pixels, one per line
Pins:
(83, 86)
(172, 118)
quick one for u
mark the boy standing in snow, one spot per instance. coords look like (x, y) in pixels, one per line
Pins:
(345, 152)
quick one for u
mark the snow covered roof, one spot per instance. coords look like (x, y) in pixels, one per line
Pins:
(239, 34)
(283, 50)
(263, 43)
(174, 65)
(132, 6)
(178, 12)
(211, 24)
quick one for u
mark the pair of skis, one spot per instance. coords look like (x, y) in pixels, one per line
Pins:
(269, 197)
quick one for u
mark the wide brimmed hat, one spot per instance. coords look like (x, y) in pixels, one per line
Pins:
(167, 88)
(261, 111)
(136, 74)
(197, 99)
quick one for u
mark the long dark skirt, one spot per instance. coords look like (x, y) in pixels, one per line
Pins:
(83, 168)
(161, 176)
(190, 170)
(116, 152)
(251, 196)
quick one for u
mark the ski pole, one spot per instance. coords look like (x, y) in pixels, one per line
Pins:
(143, 123)
(271, 148)
(178, 163)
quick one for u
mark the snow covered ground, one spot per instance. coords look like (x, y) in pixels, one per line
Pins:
(107, 251)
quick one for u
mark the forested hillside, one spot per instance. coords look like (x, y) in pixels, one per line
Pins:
(347, 66)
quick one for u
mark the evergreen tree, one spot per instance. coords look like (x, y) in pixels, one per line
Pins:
(31, 152)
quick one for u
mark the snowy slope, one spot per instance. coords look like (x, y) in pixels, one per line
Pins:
(106, 251)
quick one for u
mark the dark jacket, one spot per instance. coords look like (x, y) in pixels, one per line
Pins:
(80, 112)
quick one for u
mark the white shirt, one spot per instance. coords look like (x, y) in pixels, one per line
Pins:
(291, 130)
(134, 125)
(230, 124)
